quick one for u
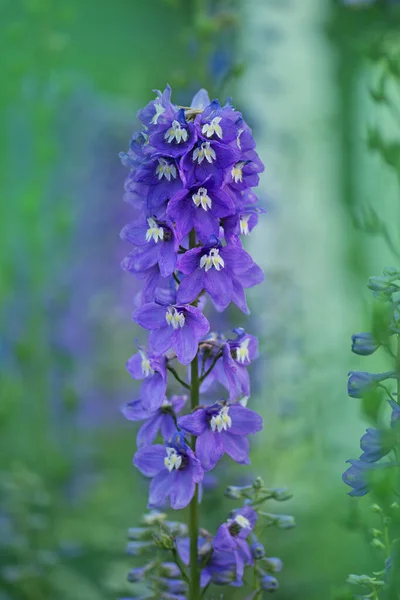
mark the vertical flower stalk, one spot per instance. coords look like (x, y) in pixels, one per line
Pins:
(192, 170)
(379, 462)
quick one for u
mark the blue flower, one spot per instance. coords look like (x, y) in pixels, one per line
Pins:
(375, 444)
(356, 477)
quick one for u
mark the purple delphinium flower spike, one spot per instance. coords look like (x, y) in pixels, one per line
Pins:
(152, 370)
(179, 327)
(212, 268)
(174, 469)
(231, 536)
(221, 428)
(162, 419)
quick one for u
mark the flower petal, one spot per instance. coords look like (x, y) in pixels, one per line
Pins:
(161, 340)
(153, 390)
(195, 423)
(183, 490)
(150, 459)
(150, 316)
(237, 447)
(244, 420)
(148, 431)
(209, 449)
(161, 487)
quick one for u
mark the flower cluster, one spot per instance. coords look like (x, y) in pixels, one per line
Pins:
(221, 558)
(192, 170)
(379, 442)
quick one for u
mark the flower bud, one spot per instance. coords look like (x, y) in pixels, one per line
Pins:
(139, 533)
(361, 383)
(175, 528)
(273, 564)
(364, 344)
(164, 540)
(137, 574)
(257, 550)
(170, 569)
(377, 544)
(173, 586)
(376, 509)
(154, 517)
(269, 583)
(138, 548)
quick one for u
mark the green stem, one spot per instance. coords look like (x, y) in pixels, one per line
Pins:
(194, 584)
(214, 362)
(175, 374)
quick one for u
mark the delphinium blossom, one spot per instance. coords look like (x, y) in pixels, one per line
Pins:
(378, 466)
(192, 170)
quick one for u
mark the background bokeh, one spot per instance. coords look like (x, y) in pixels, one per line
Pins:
(75, 75)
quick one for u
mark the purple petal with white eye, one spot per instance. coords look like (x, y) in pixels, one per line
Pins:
(150, 460)
(189, 261)
(195, 423)
(150, 316)
(134, 366)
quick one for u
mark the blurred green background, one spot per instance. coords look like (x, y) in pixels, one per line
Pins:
(75, 73)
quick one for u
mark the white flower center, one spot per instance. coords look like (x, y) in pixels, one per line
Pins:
(214, 126)
(173, 460)
(237, 172)
(202, 199)
(154, 232)
(176, 132)
(174, 318)
(205, 151)
(242, 521)
(221, 421)
(244, 224)
(165, 169)
(166, 403)
(146, 368)
(159, 111)
(212, 259)
(242, 352)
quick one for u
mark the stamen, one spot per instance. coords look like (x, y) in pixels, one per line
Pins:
(146, 368)
(209, 129)
(244, 224)
(205, 151)
(242, 521)
(242, 352)
(154, 231)
(239, 144)
(221, 421)
(212, 259)
(159, 111)
(165, 169)
(173, 460)
(176, 132)
(202, 199)
(237, 172)
(174, 318)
